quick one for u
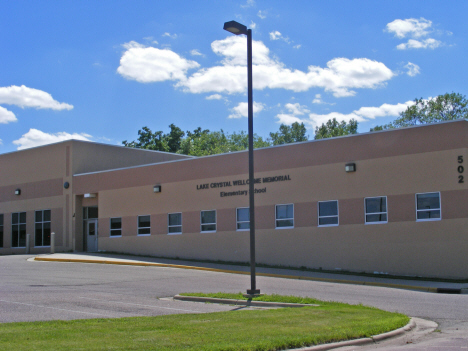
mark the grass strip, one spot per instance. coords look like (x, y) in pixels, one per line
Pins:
(241, 330)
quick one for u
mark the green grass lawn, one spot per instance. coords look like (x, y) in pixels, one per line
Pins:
(272, 329)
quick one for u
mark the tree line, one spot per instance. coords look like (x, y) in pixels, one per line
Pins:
(203, 142)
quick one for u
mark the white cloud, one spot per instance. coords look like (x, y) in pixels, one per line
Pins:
(416, 44)
(28, 97)
(275, 35)
(6, 116)
(361, 115)
(296, 109)
(318, 99)
(195, 52)
(214, 97)
(297, 46)
(172, 36)
(249, 3)
(36, 137)
(261, 14)
(413, 69)
(242, 109)
(341, 76)
(253, 25)
(148, 64)
(412, 27)
(1, 142)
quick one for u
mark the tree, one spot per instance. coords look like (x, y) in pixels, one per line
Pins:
(332, 128)
(289, 134)
(445, 107)
(147, 140)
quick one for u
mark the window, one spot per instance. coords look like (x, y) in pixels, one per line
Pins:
(327, 213)
(18, 229)
(243, 218)
(376, 209)
(285, 216)
(428, 207)
(144, 225)
(116, 226)
(174, 223)
(42, 228)
(208, 221)
(1, 230)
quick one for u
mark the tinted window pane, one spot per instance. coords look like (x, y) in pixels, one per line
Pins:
(376, 204)
(144, 221)
(243, 215)
(208, 227)
(1, 219)
(177, 229)
(22, 217)
(284, 211)
(328, 208)
(47, 216)
(116, 232)
(22, 235)
(244, 225)
(142, 231)
(92, 212)
(429, 214)
(285, 223)
(428, 201)
(1, 235)
(14, 235)
(376, 218)
(116, 223)
(38, 237)
(175, 219)
(38, 216)
(46, 234)
(328, 220)
(208, 217)
(14, 218)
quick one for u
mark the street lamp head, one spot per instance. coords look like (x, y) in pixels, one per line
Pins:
(235, 28)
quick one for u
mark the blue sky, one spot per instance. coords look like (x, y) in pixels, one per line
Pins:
(101, 70)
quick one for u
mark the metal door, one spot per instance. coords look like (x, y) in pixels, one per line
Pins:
(92, 242)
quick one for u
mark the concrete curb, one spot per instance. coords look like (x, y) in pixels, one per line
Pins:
(241, 302)
(359, 342)
(167, 265)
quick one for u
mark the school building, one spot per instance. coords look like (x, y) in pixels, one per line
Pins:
(390, 202)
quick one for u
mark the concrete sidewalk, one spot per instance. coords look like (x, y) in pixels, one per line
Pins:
(103, 258)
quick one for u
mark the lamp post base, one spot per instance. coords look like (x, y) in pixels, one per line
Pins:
(253, 293)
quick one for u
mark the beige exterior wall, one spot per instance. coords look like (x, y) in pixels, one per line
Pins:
(396, 164)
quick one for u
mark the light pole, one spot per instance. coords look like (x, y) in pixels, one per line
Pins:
(237, 29)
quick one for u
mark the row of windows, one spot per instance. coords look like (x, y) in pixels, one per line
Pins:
(375, 211)
(18, 229)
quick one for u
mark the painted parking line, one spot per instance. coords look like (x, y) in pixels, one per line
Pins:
(49, 307)
(140, 305)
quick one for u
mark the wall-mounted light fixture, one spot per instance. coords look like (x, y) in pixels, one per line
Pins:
(350, 167)
(66, 185)
(157, 188)
(18, 192)
(88, 196)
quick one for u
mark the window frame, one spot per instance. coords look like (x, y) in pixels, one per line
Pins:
(205, 224)
(428, 210)
(142, 228)
(374, 213)
(337, 214)
(42, 229)
(284, 219)
(119, 229)
(173, 226)
(19, 224)
(240, 222)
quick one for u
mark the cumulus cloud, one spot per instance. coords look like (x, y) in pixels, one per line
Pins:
(214, 97)
(262, 14)
(249, 3)
(6, 116)
(195, 52)
(28, 97)
(361, 115)
(341, 76)
(242, 109)
(36, 137)
(416, 44)
(172, 36)
(409, 27)
(415, 29)
(278, 36)
(298, 46)
(413, 69)
(149, 64)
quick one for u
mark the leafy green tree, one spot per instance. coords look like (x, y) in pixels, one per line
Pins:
(289, 134)
(173, 140)
(147, 140)
(332, 128)
(445, 107)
